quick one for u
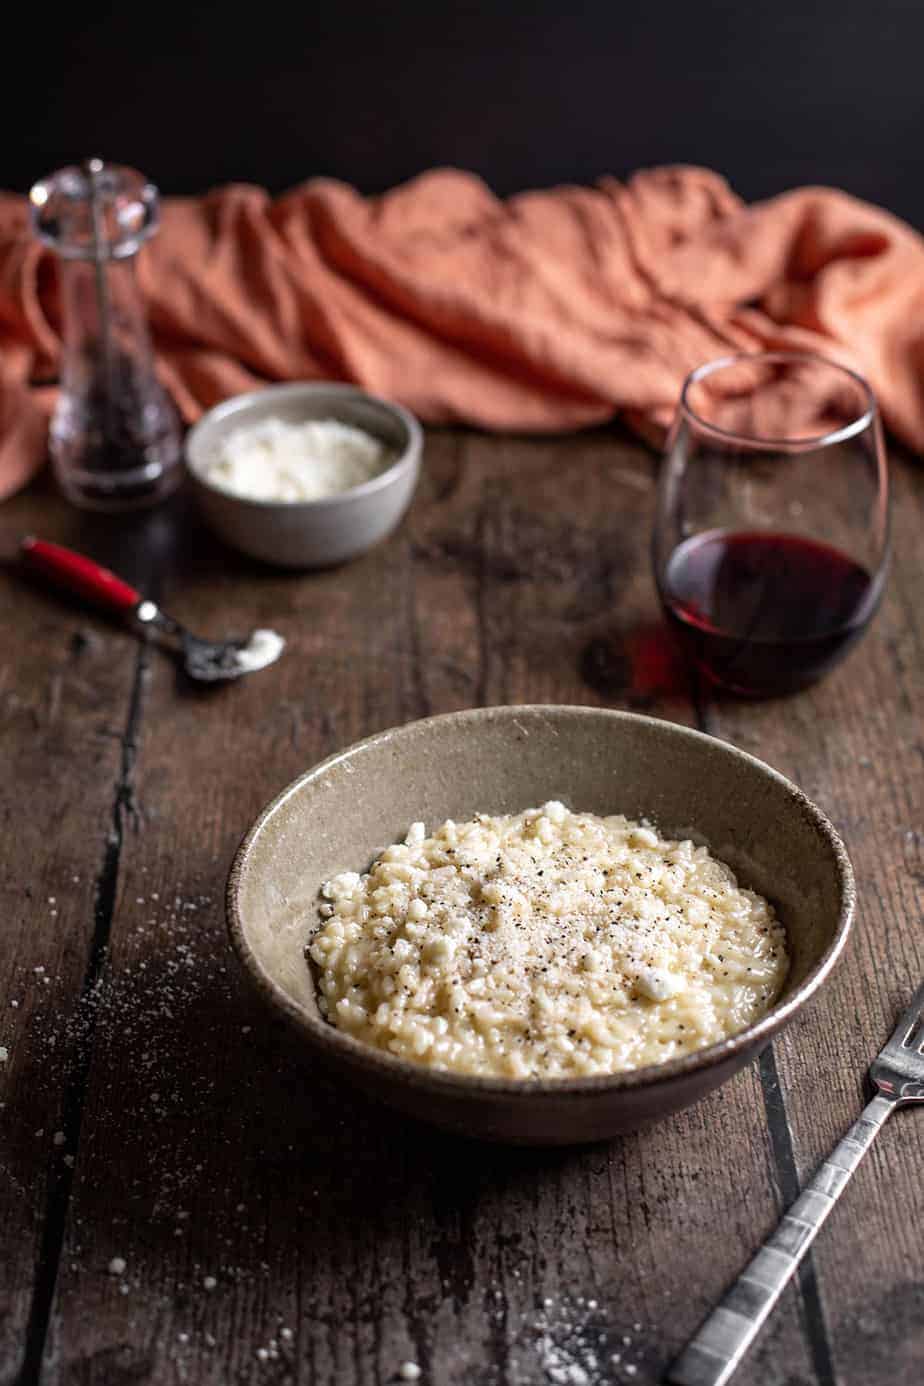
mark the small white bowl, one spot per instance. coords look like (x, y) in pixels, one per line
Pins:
(314, 533)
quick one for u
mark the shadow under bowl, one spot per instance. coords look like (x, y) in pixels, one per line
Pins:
(340, 814)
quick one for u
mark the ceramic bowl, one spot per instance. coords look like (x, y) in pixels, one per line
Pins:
(340, 814)
(316, 533)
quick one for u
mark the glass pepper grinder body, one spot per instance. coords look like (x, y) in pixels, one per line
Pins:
(115, 437)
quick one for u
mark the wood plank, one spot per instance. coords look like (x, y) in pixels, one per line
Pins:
(344, 1241)
(854, 743)
(65, 691)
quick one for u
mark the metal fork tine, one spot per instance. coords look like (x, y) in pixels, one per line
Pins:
(908, 1021)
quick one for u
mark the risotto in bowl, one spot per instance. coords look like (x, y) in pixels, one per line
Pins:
(539, 924)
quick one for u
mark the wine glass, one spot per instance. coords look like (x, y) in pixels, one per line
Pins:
(771, 539)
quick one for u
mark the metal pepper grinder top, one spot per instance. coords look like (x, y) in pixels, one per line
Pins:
(115, 437)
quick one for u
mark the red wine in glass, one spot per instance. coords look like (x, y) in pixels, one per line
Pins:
(763, 613)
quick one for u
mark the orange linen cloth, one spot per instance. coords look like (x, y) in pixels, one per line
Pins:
(546, 311)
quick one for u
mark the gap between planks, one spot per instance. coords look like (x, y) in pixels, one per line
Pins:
(782, 1150)
(58, 1197)
(787, 1178)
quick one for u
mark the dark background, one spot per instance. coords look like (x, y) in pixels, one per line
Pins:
(526, 94)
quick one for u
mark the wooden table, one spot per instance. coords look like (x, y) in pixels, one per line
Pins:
(276, 1229)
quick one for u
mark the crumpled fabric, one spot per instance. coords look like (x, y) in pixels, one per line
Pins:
(544, 312)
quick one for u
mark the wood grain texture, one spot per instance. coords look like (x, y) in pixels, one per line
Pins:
(65, 686)
(855, 743)
(342, 1240)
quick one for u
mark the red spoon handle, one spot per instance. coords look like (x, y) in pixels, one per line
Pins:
(79, 574)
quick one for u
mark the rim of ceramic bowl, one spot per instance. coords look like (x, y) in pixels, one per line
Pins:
(390, 1067)
(241, 404)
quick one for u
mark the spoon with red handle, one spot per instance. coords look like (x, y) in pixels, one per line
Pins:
(206, 660)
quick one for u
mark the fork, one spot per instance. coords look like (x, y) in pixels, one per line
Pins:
(711, 1357)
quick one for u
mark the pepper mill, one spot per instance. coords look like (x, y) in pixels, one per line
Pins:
(115, 438)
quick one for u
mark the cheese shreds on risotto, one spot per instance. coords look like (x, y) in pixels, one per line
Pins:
(545, 944)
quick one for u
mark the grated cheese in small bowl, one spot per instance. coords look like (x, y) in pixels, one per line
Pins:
(278, 461)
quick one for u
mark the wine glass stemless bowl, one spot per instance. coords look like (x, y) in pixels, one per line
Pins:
(772, 533)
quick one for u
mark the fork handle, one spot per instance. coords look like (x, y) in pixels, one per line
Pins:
(717, 1349)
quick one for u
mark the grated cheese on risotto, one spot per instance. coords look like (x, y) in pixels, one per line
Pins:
(545, 944)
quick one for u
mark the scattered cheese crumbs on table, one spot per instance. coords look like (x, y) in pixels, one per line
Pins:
(117, 1265)
(209, 1282)
(59, 1138)
(409, 1371)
